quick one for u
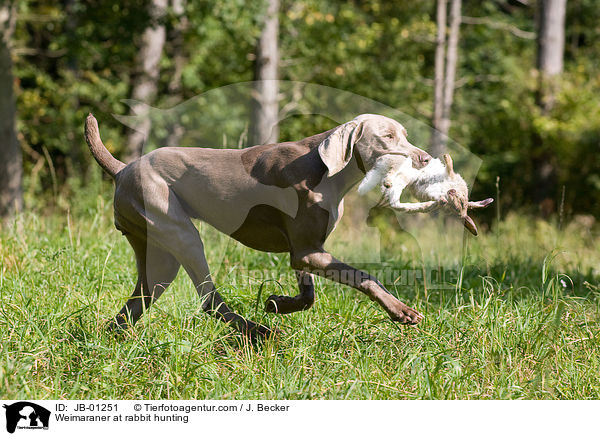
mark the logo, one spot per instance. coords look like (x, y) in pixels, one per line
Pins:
(26, 415)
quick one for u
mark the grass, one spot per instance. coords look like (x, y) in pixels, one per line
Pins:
(523, 321)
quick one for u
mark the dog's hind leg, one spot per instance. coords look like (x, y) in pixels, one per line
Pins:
(304, 300)
(156, 270)
(175, 233)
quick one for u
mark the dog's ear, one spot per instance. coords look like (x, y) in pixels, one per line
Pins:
(336, 149)
(449, 164)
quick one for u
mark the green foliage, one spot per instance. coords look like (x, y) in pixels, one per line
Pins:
(79, 56)
(573, 134)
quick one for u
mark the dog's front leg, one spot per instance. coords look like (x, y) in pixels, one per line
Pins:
(304, 300)
(321, 263)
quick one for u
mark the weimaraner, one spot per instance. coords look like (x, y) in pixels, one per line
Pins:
(284, 197)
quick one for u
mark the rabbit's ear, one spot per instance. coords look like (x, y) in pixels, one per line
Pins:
(449, 164)
(470, 225)
(480, 204)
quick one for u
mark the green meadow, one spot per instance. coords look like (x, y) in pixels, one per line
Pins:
(520, 321)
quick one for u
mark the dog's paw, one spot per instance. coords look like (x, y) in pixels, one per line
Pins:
(256, 332)
(118, 328)
(284, 304)
(117, 325)
(405, 315)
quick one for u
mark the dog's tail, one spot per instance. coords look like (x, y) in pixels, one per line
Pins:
(106, 160)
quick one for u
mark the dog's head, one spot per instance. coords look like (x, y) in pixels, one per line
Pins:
(369, 137)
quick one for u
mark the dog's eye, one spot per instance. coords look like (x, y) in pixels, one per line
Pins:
(389, 135)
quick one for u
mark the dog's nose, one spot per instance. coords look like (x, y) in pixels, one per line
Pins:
(422, 160)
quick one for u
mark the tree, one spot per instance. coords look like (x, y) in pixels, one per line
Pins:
(11, 161)
(550, 49)
(265, 107)
(145, 81)
(550, 53)
(177, 38)
(445, 73)
(438, 91)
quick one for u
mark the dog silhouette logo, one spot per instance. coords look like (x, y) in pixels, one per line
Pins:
(26, 415)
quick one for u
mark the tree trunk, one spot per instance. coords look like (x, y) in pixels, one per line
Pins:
(451, 61)
(177, 35)
(11, 160)
(145, 81)
(265, 105)
(79, 158)
(437, 142)
(549, 62)
(445, 74)
(550, 53)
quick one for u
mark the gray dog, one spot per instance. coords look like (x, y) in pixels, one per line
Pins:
(283, 197)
